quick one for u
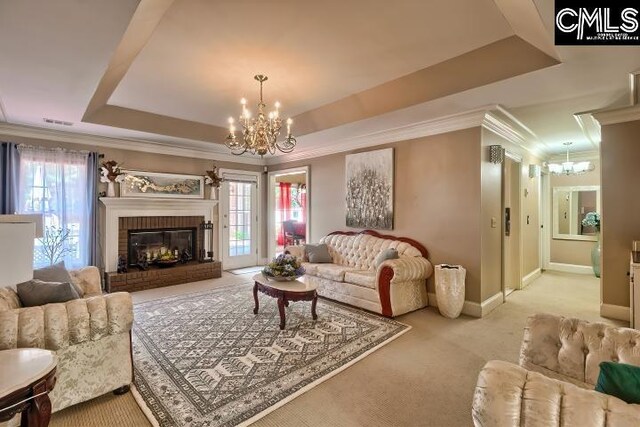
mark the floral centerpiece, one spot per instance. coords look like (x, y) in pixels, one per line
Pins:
(592, 219)
(214, 181)
(284, 267)
(111, 172)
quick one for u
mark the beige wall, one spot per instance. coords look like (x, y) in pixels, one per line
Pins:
(620, 175)
(492, 208)
(571, 251)
(437, 198)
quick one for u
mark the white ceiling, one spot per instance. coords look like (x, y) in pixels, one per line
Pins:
(202, 56)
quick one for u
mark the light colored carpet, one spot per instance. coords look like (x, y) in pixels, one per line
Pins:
(246, 270)
(426, 377)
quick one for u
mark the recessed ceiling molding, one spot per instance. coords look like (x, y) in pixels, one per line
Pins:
(590, 127)
(441, 125)
(144, 21)
(507, 126)
(634, 87)
(192, 149)
(3, 113)
(526, 22)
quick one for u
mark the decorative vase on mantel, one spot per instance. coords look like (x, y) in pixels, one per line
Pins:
(595, 256)
(213, 195)
(111, 189)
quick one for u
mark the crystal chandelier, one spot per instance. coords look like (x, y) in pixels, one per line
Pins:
(570, 168)
(260, 134)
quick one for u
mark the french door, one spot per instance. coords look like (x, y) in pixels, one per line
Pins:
(239, 197)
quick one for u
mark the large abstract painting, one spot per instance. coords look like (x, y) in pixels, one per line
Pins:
(151, 184)
(370, 189)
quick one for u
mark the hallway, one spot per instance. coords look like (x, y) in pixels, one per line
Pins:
(566, 294)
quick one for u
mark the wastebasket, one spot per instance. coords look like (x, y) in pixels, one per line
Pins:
(450, 289)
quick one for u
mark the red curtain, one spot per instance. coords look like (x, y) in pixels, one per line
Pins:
(284, 207)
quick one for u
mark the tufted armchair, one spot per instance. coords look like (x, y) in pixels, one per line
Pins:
(393, 288)
(89, 335)
(559, 367)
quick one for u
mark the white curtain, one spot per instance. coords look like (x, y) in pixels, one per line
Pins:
(54, 182)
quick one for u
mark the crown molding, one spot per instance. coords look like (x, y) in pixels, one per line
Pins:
(3, 113)
(504, 124)
(590, 128)
(438, 126)
(618, 115)
(192, 149)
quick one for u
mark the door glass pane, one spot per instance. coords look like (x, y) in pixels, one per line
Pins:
(239, 218)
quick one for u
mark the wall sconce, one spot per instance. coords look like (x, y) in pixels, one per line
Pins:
(208, 229)
(496, 154)
(534, 171)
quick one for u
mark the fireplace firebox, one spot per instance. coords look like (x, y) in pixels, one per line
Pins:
(152, 244)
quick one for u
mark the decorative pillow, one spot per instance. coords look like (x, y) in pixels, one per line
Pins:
(56, 273)
(36, 292)
(317, 253)
(389, 253)
(620, 380)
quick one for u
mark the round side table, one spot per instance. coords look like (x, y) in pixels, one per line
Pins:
(27, 375)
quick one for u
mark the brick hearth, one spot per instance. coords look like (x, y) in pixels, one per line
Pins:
(158, 277)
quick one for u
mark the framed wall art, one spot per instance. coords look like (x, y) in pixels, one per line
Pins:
(369, 183)
(167, 185)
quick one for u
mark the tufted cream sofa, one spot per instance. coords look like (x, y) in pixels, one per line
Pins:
(395, 287)
(90, 337)
(559, 366)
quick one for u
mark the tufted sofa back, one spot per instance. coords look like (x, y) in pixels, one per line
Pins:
(572, 349)
(360, 250)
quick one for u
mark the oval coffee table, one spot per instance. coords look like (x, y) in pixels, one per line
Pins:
(27, 375)
(297, 290)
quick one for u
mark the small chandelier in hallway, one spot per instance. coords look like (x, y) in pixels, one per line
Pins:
(570, 168)
(260, 134)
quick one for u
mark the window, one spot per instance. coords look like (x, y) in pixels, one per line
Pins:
(54, 183)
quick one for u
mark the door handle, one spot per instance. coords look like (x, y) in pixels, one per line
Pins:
(224, 226)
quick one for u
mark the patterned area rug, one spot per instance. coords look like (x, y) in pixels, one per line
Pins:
(205, 359)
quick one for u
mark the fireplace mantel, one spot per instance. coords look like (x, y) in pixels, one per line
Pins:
(113, 208)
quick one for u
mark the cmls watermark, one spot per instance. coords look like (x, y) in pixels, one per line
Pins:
(603, 22)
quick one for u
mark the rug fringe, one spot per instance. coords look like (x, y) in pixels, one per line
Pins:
(143, 406)
(321, 380)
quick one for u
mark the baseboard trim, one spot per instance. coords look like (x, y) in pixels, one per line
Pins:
(570, 268)
(618, 312)
(471, 308)
(531, 277)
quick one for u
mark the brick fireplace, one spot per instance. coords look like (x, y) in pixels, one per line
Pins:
(153, 226)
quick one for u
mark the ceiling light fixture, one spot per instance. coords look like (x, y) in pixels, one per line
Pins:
(259, 134)
(570, 168)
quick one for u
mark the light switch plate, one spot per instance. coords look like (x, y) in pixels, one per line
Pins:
(494, 222)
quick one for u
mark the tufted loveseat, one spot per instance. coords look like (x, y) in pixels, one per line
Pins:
(554, 384)
(89, 335)
(395, 287)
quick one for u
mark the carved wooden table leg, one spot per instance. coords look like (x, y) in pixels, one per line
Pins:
(313, 307)
(39, 412)
(255, 298)
(281, 309)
